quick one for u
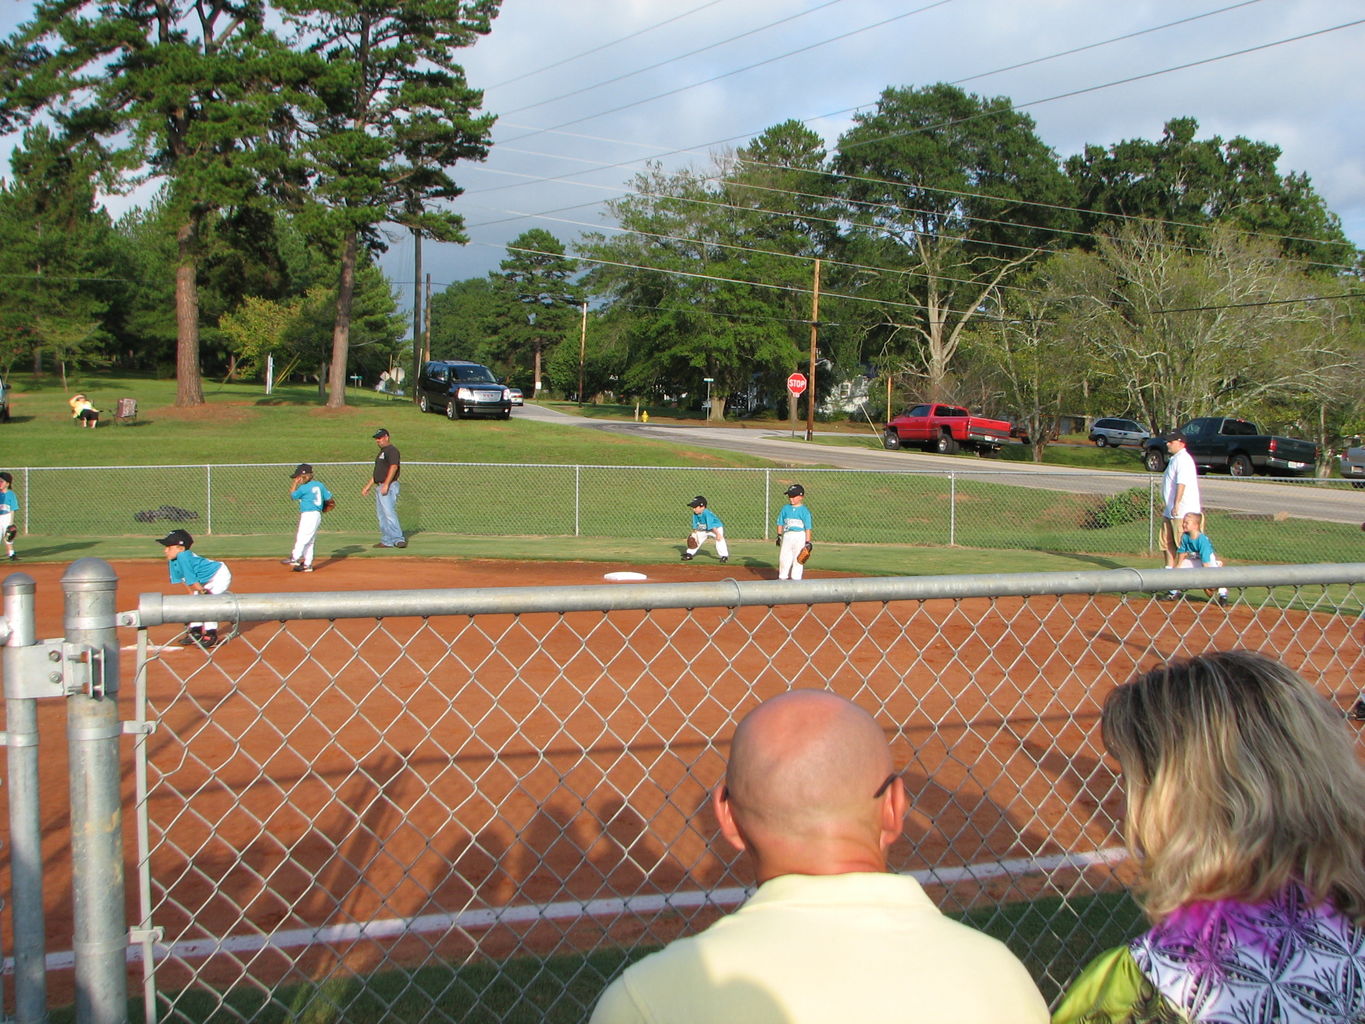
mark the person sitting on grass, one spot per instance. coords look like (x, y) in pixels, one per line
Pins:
(1196, 551)
(1246, 815)
(811, 795)
(83, 410)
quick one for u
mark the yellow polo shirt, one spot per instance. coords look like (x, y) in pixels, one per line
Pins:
(818, 949)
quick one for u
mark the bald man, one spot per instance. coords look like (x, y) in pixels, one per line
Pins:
(812, 797)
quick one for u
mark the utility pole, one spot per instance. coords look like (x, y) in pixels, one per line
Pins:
(814, 337)
(426, 324)
(416, 310)
(582, 350)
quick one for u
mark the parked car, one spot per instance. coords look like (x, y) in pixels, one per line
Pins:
(460, 388)
(517, 397)
(1115, 432)
(945, 429)
(1238, 446)
(1353, 465)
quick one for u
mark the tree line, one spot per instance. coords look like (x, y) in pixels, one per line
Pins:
(286, 135)
(960, 259)
(957, 257)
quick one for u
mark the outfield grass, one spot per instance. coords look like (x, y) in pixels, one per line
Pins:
(240, 423)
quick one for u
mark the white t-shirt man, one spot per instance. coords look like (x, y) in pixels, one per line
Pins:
(1180, 473)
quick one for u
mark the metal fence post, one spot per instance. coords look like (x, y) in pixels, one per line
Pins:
(93, 731)
(952, 509)
(25, 822)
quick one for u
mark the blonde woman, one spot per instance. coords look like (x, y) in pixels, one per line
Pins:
(1246, 813)
(84, 410)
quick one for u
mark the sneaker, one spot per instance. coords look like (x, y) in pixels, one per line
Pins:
(190, 638)
(1170, 595)
(401, 544)
(209, 639)
(13, 556)
(686, 557)
(288, 561)
(303, 568)
(1222, 600)
(724, 559)
(1357, 712)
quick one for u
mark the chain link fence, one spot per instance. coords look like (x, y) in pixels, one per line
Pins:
(1083, 513)
(478, 805)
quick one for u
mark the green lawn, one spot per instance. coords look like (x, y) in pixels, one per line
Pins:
(241, 423)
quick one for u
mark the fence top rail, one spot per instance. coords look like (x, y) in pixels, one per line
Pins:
(158, 609)
(993, 471)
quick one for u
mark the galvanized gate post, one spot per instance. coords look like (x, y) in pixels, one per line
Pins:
(25, 822)
(93, 732)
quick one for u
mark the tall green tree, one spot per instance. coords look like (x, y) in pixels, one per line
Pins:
(1189, 183)
(395, 116)
(538, 301)
(713, 276)
(950, 193)
(1195, 331)
(463, 317)
(55, 256)
(198, 94)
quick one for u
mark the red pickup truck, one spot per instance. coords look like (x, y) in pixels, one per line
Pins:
(945, 429)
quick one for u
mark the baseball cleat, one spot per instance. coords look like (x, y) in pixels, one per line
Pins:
(724, 559)
(288, 561)
(303, 568)
(687, 558)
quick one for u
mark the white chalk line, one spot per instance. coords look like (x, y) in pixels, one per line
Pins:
(563, 910)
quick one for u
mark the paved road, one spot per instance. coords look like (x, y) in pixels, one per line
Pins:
(1337, 503)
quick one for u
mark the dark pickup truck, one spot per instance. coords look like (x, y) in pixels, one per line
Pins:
(1238, 446)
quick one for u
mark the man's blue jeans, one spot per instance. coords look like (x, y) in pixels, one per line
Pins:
(386, 509)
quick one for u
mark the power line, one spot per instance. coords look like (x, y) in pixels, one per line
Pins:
(1015, 107)
(736, 71)
(608, 45)
(673, 60)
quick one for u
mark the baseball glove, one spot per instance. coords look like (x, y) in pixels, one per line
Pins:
(11, 532)
(779, 539)
(803, 556)
(329, 505)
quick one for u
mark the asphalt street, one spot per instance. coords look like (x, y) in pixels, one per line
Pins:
(1337, 502)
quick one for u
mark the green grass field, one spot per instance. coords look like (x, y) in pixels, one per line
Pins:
(629, 513)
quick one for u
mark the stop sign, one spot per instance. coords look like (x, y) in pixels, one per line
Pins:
(796, 383)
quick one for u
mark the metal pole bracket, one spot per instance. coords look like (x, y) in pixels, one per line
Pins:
(54, 668)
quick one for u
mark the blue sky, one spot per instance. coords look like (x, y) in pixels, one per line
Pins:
(720, 71)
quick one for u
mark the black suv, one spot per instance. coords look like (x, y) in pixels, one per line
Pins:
(460, 388)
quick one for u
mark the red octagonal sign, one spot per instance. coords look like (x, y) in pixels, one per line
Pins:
(796, 383)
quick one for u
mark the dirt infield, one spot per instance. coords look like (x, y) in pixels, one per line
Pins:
(325, 773)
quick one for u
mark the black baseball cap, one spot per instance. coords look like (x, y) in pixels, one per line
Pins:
(300, 469)
(180, 537)
(795, 490)
(1177, 435)
(698, 502)
(381, 432)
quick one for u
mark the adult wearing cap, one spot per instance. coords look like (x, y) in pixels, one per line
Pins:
(705, 523)
(1180, 492)
(311, 495)
(794, 532)
(387, 465)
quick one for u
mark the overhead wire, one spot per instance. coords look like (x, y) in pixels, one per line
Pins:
(1071, 93)
(1017, 201)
